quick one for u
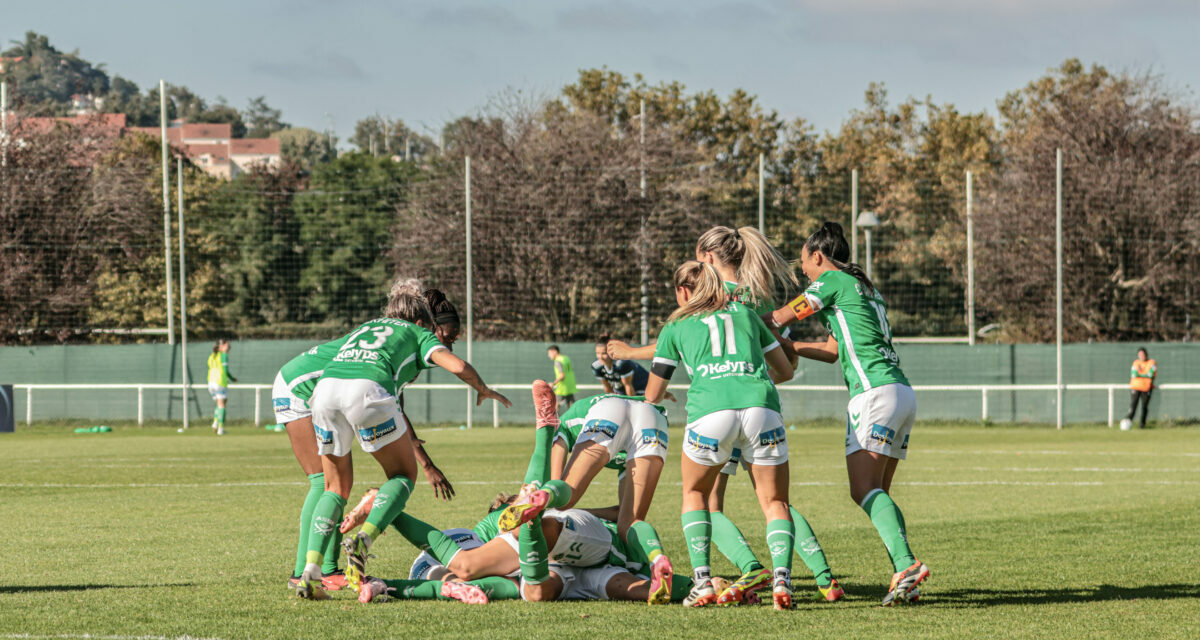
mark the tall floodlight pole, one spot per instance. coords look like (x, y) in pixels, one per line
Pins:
(182, 294)
(470, 289)
(1058, 285)
(166, 190)
(645, 268)
(762, 220)
(854, 216)
(970, 264)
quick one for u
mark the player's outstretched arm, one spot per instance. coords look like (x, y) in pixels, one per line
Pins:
(465, 372)
(656, 388)
(823, 351)
(778, 366)
(622, 351)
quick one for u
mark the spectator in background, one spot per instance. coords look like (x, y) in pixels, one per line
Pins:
(218, 382)
(1141, 384)
(564, 378)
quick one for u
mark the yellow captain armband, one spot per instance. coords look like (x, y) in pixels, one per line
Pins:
(797, 309)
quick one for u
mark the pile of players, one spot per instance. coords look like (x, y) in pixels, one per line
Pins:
(536, 545)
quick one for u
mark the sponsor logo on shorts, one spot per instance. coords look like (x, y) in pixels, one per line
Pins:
(281, 404)
(736, 456)
(462, 537)
(654, 437)
(324, 436)
(371, 434)
(606, 427)
(904, 445)
(700, 443)
(569, 524)
(881, 434)
(422, 569)
(773, 437)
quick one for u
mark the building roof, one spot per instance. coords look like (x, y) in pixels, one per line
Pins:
(254, 146)
(111, 123)
(210, 131)
(156, 133)
(219, 152)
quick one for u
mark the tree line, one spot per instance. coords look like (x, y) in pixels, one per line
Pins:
(580, 211)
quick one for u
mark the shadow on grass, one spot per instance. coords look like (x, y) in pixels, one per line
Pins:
(32, 588)
(966, 598)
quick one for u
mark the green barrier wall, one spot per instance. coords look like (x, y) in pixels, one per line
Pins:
(257, 361)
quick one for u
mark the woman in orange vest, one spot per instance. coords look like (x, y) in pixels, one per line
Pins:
(1141, 384)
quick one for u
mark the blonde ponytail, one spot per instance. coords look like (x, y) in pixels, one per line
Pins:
(405, 301)
(759, 267)
(707, 291)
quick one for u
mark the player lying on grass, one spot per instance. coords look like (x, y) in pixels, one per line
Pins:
(882, 405)
(575, 537)
(290, 396)
(603, 427)
(356, 399)
(732, 403)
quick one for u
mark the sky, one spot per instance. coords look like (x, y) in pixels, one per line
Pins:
(327, 64)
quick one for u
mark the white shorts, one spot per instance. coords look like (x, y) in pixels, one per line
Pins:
(425, 564)
(583, 584)
(583, 542)
(217, 391)
(757, 431)
(880, 420)
(287, 406)
(620, 425)
(346, 410)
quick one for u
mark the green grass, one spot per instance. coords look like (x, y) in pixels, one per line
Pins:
(1030, 533)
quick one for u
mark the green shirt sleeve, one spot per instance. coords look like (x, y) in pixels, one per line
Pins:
(489, 527)
(666, 353)
(428, 343)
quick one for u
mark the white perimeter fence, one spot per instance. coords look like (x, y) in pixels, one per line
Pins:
(982, 389)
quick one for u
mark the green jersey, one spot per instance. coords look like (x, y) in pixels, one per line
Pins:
(301, 373)
(723, 353)
(741, 294)
(388, 351)
(857, 319)
(489, 527)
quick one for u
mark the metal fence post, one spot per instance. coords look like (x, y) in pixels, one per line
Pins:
(495, 415)
(984, 405)
(762, 219)
(1110, 406)
(854, 216)
(257, 407)
(28, 406)
(142, 405)
(166, 187)
(970, 263)
(1058, 286)
(470, 288)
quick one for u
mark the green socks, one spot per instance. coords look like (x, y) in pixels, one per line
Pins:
(539, 464)
(560, 493)
(327, 515)
(680, 587)
(641, 534)
(316, 486)
(732, 544)
(533, 552)
(219, 416)
(889, 522)
(781, 537)
(810, 550)
(496, 588)
(389, 503)
(697, 532)
(426, 537)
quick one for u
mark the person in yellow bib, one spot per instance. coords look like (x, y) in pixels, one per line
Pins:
(564, 378)
(218, 382)
(1141, 384)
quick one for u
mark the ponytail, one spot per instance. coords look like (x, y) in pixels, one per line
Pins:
(444, 312)
(759, 267)
(830, 240)
(405, 302)
(708, 293)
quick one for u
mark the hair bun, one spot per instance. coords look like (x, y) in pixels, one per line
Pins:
(833, 227)
(406, 286)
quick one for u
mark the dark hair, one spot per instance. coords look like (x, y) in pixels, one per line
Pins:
(218, 343)
(1143, 350)
(443, 310)
(603, 339)
(554, 347)
(830, 240)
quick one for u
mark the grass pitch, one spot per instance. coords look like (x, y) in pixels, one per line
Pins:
(1030, 533)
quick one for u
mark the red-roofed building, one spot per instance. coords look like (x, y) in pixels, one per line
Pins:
(213, 148)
